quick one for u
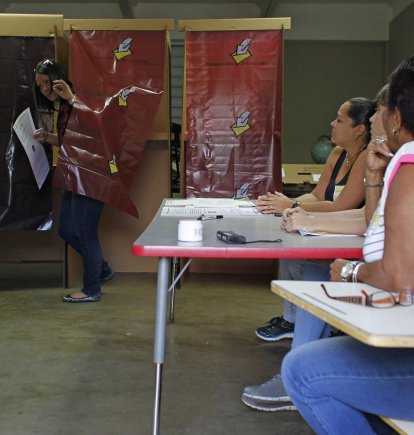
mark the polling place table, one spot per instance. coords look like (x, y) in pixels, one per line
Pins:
(160, 240)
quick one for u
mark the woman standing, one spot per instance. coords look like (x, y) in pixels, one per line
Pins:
(79, 215)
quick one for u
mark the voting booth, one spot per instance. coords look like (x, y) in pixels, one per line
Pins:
(143, 170)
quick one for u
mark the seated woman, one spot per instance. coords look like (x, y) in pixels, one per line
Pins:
(339, 384)
(271, 395)
(340, 184)
(341, 187)
(349, 221)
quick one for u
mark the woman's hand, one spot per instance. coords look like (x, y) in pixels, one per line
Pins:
(377, 157)
(61, 88)
(288, 212)
(272, 203)
(336, 268)
(299, 220)
(41, 135)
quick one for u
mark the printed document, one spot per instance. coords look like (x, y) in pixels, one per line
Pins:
(25, 129)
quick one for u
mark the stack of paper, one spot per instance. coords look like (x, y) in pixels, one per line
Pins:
(195, 207)
(304, 232)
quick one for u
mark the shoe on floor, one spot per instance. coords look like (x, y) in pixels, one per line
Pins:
(106, 275)
(268, 406)
(276, 329)
(72, 299)
(271, 391)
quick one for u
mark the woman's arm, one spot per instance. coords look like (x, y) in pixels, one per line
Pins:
(272, 203)
(322, 223)
(395, 271)
(44, 137)
(376, 161)
(342, 214)
(352, 195)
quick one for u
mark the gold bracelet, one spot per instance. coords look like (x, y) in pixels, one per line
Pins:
(366, 184)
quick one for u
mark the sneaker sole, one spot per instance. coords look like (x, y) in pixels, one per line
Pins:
(279, 337)
(267, 399)
(271, 408)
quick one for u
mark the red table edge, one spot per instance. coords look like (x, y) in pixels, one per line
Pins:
(239, 252)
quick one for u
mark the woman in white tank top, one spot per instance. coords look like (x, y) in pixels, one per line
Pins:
(341, 385)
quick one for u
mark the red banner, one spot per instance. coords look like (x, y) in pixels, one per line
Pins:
(118, 79)
(234, 112)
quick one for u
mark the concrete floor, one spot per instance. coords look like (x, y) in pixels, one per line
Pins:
(87, 369)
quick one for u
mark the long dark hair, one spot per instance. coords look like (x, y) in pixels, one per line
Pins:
(401, 92)
(360, 110)
(52, 69)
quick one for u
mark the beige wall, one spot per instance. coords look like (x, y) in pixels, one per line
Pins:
(319, 76)
(401, 42)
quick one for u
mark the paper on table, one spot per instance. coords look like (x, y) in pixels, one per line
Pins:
(208, 202)
(305, 232)
(209, 207)
(24, 128)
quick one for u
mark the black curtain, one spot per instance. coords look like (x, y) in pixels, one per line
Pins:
(22, 204)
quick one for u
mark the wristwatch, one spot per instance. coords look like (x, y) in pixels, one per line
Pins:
(296, 203)
(346, 271)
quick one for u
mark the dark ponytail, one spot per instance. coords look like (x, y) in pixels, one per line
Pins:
(360, 110)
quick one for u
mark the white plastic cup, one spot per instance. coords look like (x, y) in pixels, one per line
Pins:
(190, 231)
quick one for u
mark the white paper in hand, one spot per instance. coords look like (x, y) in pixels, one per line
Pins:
(25, 129)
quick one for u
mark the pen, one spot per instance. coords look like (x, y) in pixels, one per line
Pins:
(203, 217)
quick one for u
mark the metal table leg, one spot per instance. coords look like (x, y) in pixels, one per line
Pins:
(174, 285)
(159, 336)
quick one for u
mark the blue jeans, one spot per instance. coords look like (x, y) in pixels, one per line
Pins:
(302, 270)
(338, 383)
(78, 226)
(307, 326)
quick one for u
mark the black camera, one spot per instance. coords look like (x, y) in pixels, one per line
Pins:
(231, 237)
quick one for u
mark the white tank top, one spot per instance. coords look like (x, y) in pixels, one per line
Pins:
(374, 236)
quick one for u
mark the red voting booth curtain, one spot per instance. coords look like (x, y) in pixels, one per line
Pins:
(234, 112)
(118, 78)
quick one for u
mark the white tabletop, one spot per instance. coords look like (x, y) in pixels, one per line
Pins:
(384, 327)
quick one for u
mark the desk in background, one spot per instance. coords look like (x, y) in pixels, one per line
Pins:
(299, 179)
(160, 240)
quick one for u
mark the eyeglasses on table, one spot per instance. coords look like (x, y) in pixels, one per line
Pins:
(379, 299)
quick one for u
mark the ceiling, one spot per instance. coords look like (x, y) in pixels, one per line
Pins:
(266, 7)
